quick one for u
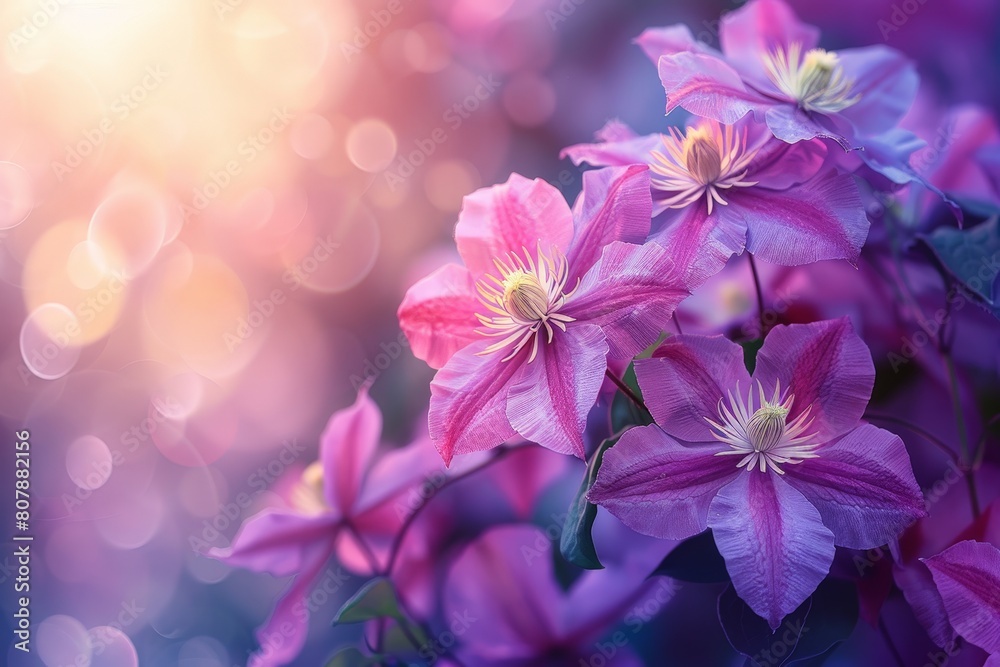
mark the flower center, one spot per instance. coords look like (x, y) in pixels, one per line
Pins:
(307, 496)
(701, 156)
(523, 299)
(816, 81)
(524, 296)
(709, 159)
(762, 435)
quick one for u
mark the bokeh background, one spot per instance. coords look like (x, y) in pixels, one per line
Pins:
(209, 212)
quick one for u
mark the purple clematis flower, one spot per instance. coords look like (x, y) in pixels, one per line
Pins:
(347, 504)
(967, 576)
(770, 64)
(503, 593)
(522, 334)
(776, 463)
(723, 188)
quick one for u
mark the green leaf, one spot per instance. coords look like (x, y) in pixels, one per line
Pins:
(577, 542)
(376, 599)
(972, 256)
(351, 657)
(396, 641)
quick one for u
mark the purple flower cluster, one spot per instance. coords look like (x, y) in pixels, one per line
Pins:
(561, 327)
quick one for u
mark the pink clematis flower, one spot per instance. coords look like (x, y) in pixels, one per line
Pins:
(724, 188)
(776, 463)
(523, 333)
(348, 504)
(770, 64)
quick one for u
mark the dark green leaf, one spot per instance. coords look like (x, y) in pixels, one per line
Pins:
(972, 257)
(750, 350)
(376, 599)
(577, 542)
(351, 657)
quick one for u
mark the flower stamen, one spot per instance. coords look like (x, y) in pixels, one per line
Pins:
(525, 298)
(762, 435)
(815, 80)
(705, 161)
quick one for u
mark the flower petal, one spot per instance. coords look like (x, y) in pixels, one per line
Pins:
(551, 396)
(706, 86)
(656, 42)
(822, 219)
(968, 577)
(791, 124)
(615, 205)
(469, 401)
(510, 218)
(775, 545)
(827, 366)
(347, 448)
(699, 241)
(863, 487)
(284, 634)
(760, 27)
(277, 541)
(658, 487)
(438, 314)
(525, 474)
(684, 380)
(887, 82)
(630, 293)
(618, 146)
(917, 584)
(505, 581)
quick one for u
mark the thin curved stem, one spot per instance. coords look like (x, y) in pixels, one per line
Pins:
(760, 294)
(926, 435)
(677, 324)
(408, 522)
(366, 550)
(625, 389)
